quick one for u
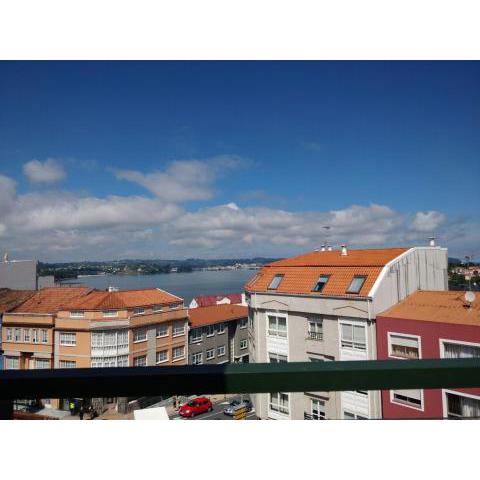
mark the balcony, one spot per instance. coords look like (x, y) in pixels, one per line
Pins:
(236, 378)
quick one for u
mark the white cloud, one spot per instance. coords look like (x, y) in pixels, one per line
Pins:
(183, 180)
(49, 171)
(428, 221)
(65, 226)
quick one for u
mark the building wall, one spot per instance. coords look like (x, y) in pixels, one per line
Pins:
(430, 334)
(215, 341)
(18, 274)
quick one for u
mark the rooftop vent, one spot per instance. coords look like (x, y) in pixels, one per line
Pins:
(322, 249)
(344, 250)
(329, 248)
(431, 241)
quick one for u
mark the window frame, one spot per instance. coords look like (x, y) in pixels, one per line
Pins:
(135, 360)
(77, 314)
(161, 325)
(401, 403)
(442, 342)
(207, 357)
(277, 275)
(459, 394)
(352, 323)
(196, 339)
(138, 310)
(356, 292)
(224, 351)
(197, 358)
(72, 364)
(243, 322)
(390, 350)
(315, 335)
(277, 316)
(327, 276)
(44, 336)
(221, 328)
(279, 409)
(174, 358)
(243, 342)
(62, 343)
(9, 334)
(177, 334)
(143, 339)
(110, 313)
(157, 361)
(312, 400)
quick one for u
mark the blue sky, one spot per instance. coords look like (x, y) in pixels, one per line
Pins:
(284, 144)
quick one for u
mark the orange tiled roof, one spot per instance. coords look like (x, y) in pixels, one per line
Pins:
(100, 300)
(9, 299)
(215, 314)
(442, 307)
(302, 272)
(50, 300)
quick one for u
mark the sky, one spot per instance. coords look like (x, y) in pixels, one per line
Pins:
(111, 160)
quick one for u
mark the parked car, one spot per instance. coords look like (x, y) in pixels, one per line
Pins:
(229, 409)
(195, 407)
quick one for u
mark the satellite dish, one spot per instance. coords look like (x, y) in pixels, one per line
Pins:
(469, 297)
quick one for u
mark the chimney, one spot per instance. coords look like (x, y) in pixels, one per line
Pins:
(322, 249)
(329, 248)
(344, 250)
(431, 241)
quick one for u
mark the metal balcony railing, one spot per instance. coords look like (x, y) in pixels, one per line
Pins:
(236, 378)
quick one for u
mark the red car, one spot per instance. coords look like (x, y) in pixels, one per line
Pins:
(196, 406)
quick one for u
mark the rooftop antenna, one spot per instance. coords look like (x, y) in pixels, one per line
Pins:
(326, 228)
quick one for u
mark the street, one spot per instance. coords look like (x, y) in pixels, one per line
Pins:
(217, 412)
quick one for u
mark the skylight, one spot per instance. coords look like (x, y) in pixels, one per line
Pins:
(321, 282)
(356, 284)
(275, 282)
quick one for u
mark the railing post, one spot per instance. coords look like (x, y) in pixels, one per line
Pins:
(6, 409)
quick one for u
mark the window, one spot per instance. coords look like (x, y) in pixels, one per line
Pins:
(209, 330)
(139, 335)
(321, 282)
(250, 320)
(26, 335)
(157, 308)
(162, 356)
(210, 354)
(318, 409)
(110, 313)
(195, 335)
(403, 346)
(178, 328)
(140, 361)
(353, 336)
(67, 364)
(178, 352)
(352, 416)
(277, 358)
(243, 344)
(122, 361)
(77, 314)
(459, 406)
(34, 335)
(411, 398)
(356, 284)
(460, 350)
(275, 282)
(315, 329)
(221, 328)
(277, 326)
(243, 323)
(197, 358)
(279, 402)
(161, 330)
(68, 339)
(9, 334)
(18, 334)
(41, 363)
(12, 363)
(221, 351)
(138, 310)
(43, 336)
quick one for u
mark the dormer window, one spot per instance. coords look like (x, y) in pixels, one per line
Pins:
(275, 282)
(138, 310)
(110, 313)
(356, 284)
(321, 282)
(77, 314)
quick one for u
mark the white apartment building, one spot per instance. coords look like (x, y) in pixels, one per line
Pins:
(321, 306)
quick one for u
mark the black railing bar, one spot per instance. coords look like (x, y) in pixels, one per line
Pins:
(240, 378)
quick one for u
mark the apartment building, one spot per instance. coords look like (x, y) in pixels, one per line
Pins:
(218, 334)
(322, 306)
(430, 325)
(82, 328)
(10, 299)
